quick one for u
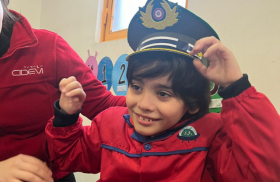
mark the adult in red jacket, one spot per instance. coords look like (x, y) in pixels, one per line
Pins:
(32, 64)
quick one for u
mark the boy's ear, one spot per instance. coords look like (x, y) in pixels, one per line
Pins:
(194, 111)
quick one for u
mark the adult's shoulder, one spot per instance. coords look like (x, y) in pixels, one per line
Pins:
(43, 34)
(48, 36)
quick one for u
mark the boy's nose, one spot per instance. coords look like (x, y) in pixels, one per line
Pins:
(146, 102)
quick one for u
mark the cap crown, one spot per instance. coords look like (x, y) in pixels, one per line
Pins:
(165, 26)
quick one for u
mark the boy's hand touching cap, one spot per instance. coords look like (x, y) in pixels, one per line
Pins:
(72, 95)
(223, 69)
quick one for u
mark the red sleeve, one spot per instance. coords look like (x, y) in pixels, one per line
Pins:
(248, 147)
(74, 148)
(70, 64)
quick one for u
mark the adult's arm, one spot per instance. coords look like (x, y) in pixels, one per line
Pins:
(69, 63)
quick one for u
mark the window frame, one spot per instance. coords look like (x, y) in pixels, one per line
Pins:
(107, 23)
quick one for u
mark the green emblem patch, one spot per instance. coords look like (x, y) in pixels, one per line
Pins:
(188, 133)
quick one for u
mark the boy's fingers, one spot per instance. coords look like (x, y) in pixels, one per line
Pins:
(62, 84)
(65, 81)
(200, 67)
(216, 48)
(218, 52)
(76, 99)
(76, 93)
(203, 44)
(72, 86)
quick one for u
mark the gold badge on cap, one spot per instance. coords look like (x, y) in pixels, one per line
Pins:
(164, 16)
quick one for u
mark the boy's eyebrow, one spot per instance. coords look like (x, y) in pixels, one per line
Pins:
(137, 79)
(163, 86)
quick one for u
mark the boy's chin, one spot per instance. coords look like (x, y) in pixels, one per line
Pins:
(144, 132)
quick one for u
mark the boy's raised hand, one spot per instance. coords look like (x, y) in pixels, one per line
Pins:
(223, 69)
(72, 95)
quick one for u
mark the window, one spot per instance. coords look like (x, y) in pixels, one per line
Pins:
(117, 15)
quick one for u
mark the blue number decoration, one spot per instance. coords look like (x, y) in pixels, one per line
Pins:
(105, 69)
(120, 85)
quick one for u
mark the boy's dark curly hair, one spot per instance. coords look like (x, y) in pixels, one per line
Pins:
(187, 83)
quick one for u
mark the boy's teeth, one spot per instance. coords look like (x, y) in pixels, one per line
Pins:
(145, 119)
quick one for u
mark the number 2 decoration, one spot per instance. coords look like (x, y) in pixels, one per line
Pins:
(123, 70)
(120, 85)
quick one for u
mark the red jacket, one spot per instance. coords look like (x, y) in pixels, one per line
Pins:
(30, 73)
(241, 144)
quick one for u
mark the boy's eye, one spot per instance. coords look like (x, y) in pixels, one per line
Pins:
(164, 94)
(136, 87)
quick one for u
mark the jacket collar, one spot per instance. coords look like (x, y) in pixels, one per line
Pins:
(22, 37)
(144, 139)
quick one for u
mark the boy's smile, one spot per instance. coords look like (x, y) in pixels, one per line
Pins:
(145, 120)
(153, 106)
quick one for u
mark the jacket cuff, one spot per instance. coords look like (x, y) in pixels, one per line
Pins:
(235, 88)
(62, 119)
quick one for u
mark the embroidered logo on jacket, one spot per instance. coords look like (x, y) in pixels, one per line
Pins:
(188, 133)
(28, 70)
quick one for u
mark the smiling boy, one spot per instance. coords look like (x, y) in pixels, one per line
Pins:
(166, 132)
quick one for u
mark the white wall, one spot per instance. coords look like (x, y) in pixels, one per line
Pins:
(249, 28)
(31, 9)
